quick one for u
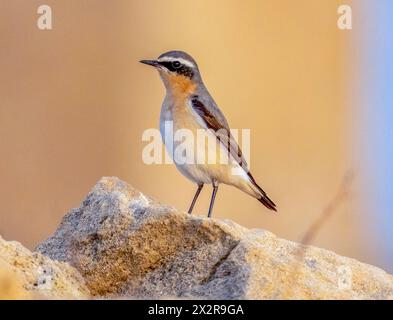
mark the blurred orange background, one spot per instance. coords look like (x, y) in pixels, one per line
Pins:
(75, 102)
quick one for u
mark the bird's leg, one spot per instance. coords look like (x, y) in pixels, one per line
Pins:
(215, 188)
(200, 186)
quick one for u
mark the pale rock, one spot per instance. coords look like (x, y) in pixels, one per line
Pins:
(125, 244)
(31, 275)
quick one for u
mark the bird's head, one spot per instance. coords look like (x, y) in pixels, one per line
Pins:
(177, 69)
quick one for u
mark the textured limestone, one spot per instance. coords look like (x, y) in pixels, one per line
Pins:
(126, 244)
(27, 275)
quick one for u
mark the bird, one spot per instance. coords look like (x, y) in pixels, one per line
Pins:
(189, 105)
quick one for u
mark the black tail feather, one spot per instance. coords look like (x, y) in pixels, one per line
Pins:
(267, 202)
(264, 199)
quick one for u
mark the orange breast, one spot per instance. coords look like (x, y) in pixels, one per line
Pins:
(181, 86)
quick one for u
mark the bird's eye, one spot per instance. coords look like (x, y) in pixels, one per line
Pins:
(176, 64)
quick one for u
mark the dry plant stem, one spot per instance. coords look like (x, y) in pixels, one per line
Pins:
(332, 206)
(340, 197)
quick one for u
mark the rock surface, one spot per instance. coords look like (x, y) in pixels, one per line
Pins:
(126, 244)
(27, 275)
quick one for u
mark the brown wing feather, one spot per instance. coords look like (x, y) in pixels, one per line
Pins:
(225, 137)
(222, 132)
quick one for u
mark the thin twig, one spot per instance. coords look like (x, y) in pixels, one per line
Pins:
(340, 197)
(332, 206)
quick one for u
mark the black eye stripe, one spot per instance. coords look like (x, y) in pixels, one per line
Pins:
(168, 65)
(181, 69)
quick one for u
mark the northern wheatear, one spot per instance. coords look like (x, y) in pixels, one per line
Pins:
(189, 105)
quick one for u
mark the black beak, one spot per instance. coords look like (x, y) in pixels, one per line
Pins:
(153, 63)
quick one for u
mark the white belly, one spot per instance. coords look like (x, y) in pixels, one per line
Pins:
(221, 167)
(191, 169)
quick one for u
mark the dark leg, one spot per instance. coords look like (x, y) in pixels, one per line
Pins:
(200, 186)
(215, 188)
